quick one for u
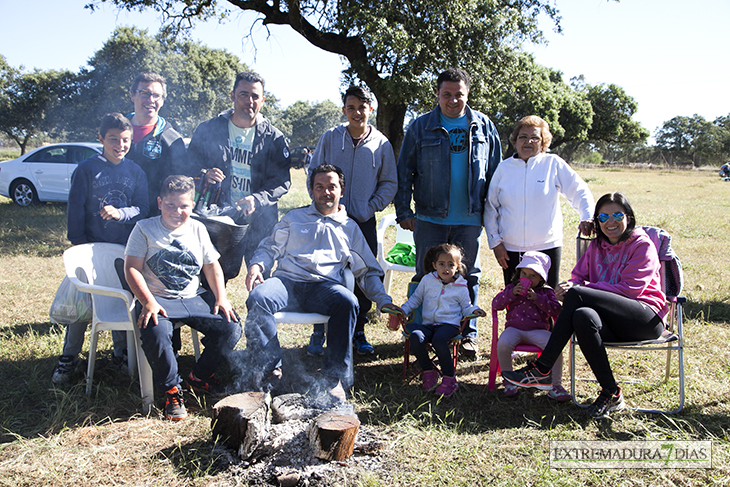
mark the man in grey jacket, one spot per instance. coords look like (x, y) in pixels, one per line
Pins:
(311, 246)
(368, 163)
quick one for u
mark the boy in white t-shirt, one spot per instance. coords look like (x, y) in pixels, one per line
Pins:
(163, 261)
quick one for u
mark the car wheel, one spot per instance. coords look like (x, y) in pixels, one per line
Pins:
(23, 193)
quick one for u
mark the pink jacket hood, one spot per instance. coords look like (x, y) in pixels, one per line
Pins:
(630, 268)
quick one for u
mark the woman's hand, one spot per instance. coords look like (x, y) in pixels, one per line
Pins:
(586, 228)
(500, 253)
(563, 288)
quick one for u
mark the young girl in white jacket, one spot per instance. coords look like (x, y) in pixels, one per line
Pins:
(444, 294)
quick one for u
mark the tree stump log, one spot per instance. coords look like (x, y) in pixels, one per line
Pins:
(332, 435)
(242, 421)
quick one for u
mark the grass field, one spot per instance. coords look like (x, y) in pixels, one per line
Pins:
(59, 437)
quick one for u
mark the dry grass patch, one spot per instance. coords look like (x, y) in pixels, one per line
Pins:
(478, 437)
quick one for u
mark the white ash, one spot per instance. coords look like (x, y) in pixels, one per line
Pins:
(287, 453)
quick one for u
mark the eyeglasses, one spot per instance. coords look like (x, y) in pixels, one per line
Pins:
(149, 94)
(534, 139)
(617, 217)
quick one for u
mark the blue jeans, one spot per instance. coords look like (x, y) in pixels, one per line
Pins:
(281, 294)
(439, 335)
(468, 237)
(220, 338)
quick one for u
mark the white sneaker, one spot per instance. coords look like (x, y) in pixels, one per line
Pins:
(64, 371)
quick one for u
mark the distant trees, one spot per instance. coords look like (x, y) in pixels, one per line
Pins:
(199, 80)
(305, 122)
(695, 139)
(29, 102)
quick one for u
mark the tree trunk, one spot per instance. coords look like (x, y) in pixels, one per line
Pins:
(242, 421)
(332, 435)
(390, 122)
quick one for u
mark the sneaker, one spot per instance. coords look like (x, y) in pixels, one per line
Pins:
(510, 390)
(559, 394)
(605, 403)
(469, 348)
(174, 404)
(530, 376)
(210, 386)
(430, 379)
(447, 387)
(361, 344)
(316, 343)
(65, 369)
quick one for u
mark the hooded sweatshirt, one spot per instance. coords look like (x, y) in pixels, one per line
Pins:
(371, 176)
(629, 268)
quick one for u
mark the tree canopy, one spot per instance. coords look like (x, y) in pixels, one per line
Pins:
(305, 122)
(29, 101)
(199, 80)
(396, 48)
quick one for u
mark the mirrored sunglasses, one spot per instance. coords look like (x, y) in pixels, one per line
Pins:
(618, 216)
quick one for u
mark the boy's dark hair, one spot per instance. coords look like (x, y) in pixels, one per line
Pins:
(455, 75)
(114, 121)
(250, 77)
(148, 77)
(326, 168)
(453, 250)
(622, 201)
(177, 184)
(358, 92)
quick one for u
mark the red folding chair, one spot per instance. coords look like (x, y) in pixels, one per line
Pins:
(454, 343)
(494, 359)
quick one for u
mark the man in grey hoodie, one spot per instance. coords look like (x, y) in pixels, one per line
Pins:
(366, 158)
(311, 246)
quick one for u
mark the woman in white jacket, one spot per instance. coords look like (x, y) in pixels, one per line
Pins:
(523, 206)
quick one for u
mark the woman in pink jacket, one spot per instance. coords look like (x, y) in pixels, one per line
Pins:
(614, 294)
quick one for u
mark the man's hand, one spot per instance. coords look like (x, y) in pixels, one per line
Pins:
(247, 205)
(150, 311)
(479, 312)
(110, 213)
(409, 224)
(500, 253)
(586, 227)
(392, 309)
(254, 276)
(222, 305)
(214, 175)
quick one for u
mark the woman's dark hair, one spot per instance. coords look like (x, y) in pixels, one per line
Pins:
(622, 201)
(453, 250)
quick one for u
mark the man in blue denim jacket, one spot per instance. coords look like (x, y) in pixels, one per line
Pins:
(445, 164)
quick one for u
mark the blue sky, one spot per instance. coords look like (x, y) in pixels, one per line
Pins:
(668, 54)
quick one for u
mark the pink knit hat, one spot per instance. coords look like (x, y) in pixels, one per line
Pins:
(537, 261)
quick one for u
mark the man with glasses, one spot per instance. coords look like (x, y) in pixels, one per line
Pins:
(247, 161)
(156, 147)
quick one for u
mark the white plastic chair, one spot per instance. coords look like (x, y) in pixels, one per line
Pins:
(91, 268)
(401, 235)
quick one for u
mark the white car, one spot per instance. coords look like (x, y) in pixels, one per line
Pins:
(45, 173)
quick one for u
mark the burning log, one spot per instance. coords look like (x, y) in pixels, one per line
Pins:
(243, 421)
(332, 435)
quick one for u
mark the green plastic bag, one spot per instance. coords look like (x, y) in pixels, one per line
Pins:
(402, 254)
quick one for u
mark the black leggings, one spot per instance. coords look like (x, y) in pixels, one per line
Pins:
(596, 316)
